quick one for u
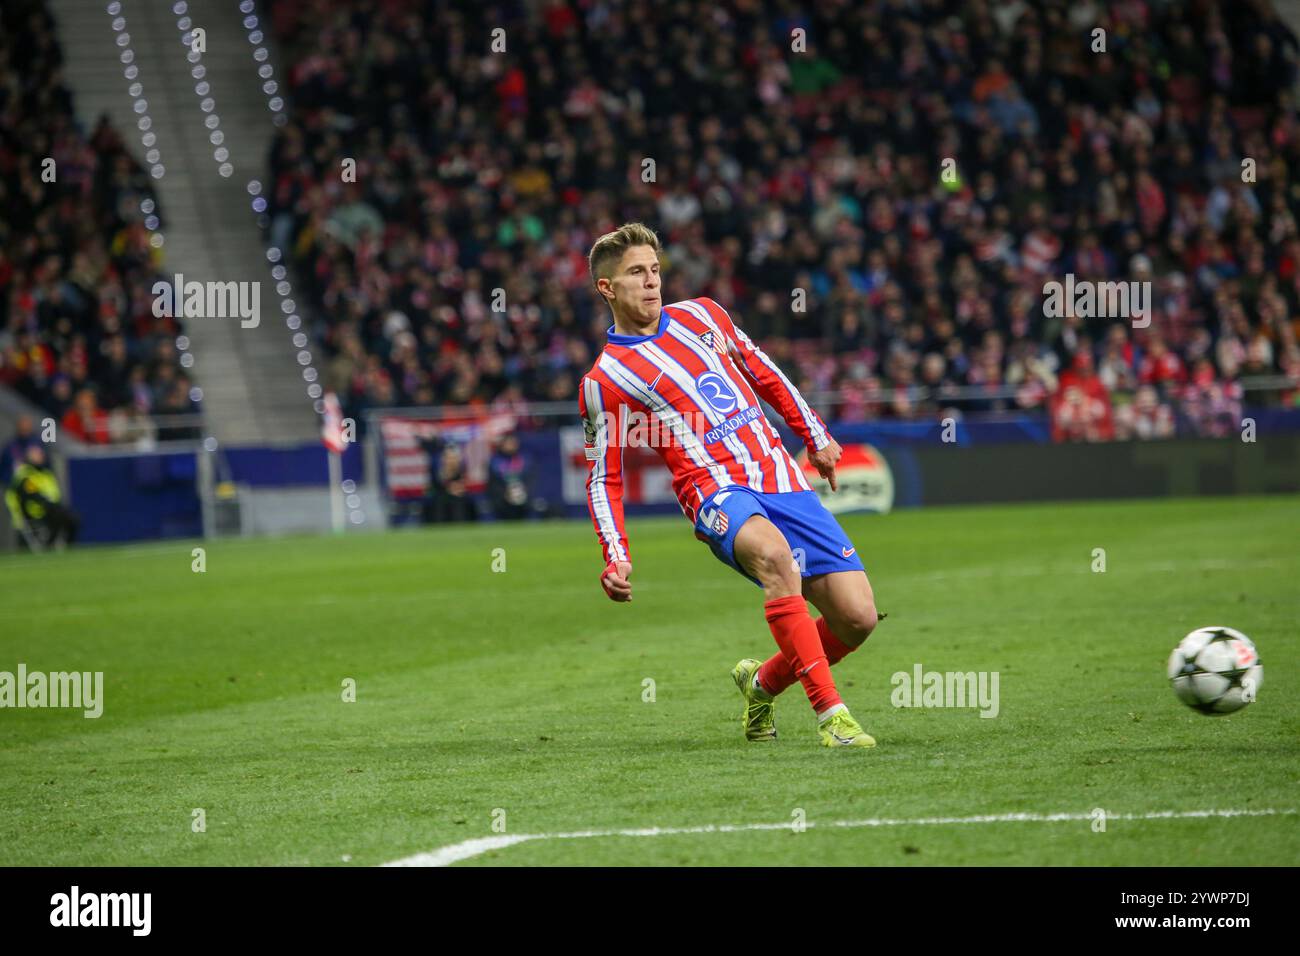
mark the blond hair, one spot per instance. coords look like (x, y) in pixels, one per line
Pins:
(609, 249)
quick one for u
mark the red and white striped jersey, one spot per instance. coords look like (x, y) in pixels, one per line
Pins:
(691, 391)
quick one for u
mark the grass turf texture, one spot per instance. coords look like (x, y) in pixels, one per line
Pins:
(523, 691)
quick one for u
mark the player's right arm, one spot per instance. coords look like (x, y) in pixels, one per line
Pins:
(604, 420)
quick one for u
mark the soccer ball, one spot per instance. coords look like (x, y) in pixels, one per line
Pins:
(1215, 670)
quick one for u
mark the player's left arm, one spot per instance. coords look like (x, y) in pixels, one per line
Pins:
(778, 391)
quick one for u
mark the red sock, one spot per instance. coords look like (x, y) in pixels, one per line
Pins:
(777, 673)
(800, 643)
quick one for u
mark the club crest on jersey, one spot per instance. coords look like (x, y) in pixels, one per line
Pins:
(711, 340)
(716, 519)
(589, 438)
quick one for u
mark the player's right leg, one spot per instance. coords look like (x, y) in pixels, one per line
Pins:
(761, 550)
(849, 616)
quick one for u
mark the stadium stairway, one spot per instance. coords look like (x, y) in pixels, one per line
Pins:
(253, 386)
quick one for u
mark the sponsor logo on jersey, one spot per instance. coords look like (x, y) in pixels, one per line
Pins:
(719, 432)
(717, 391)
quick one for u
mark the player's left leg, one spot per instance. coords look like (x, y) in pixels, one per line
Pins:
(847, 604)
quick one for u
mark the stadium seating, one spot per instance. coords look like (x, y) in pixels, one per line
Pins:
(78, 337)
(819, 170)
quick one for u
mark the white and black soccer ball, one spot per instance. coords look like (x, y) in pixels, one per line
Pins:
(1216, 670)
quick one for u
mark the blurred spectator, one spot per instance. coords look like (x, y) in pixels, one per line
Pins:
(85, 420)
(1115, 368)
(1145, 417)
(36, 504)
(1161, 367)
(15, 451)
(1081, 409)
(1213, 408)
(510, 477)
(449, 498)
(175, 401)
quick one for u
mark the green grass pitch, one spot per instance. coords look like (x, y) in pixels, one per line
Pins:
(480, 691)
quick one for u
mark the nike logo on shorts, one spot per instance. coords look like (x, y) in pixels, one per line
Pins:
(848, 552)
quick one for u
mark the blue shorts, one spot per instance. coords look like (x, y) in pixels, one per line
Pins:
(816, 538)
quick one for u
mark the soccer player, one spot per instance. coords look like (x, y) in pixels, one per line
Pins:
(684, 379)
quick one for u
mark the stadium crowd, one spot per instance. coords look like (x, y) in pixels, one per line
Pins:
(814, 173)
(817, 169)
(78, 337)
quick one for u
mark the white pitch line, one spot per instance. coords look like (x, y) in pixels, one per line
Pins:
(467, 849)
